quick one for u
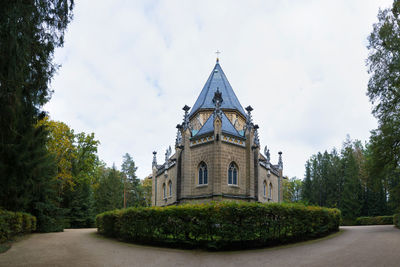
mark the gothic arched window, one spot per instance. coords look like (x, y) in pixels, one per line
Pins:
(265, 189)
(270, 191)
(170, 188)
(164, 191)
(203, 173)
(233, 174)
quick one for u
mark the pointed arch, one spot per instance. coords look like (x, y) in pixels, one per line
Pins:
(170, 188)
(270, 191)
(202, 174)
(233, 174)
(265, 189)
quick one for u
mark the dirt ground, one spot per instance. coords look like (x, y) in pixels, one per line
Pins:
(355, 246)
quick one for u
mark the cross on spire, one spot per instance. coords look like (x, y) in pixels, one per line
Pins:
(218, 52)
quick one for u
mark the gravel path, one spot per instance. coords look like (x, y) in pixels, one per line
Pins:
(356, 246)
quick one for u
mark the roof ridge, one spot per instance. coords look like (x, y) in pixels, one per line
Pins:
(209, 83)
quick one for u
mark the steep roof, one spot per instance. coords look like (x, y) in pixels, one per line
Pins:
(216, 80)
(226, 126)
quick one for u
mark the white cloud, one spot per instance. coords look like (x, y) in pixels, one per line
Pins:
(128, 67)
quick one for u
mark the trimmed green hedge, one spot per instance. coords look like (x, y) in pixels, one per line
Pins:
(219, 225)
(14, 223)
(378, 220)
(396, 220)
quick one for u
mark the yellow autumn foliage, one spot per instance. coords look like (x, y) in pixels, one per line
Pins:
(61, 145)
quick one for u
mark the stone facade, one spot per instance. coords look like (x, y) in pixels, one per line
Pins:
(217, 154)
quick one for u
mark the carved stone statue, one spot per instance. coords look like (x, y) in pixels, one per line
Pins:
(168, 153)
(267, 154)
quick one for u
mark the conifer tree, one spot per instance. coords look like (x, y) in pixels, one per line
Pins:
(306, 190)
(133, 192)
(109, 192)
(29, 33)
(351, 199)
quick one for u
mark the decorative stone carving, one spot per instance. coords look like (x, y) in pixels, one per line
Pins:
(186, 123)
(267, 154)
(256, 137)
(168, 154)
(154, 163)
(217, 100)
(280, 162)
(178, 140)
(249, 118)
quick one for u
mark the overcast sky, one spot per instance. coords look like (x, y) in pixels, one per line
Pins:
(128, 68)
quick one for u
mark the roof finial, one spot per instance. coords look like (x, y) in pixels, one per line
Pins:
(154, 163)
(218, 52)
(256, 137)
(186, 122)
(249, 119)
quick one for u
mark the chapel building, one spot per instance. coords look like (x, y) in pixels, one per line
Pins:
(217, 153)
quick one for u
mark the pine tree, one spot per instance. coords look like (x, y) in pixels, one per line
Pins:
(351, 198)
(133, 192)
(109, 192)
(29, 33)
(306, 190)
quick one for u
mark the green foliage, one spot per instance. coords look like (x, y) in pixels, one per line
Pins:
(29, 33)
(346, 181)
(292, 189)
(219, 225)
(77, 163)
(396, 220)
(146, 185)
(133, 192)
(109, 192)
(378, 220)
(383, 91)
(351, 200)
(15, 223)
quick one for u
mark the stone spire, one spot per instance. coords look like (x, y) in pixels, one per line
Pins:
(249, 119)
(167, 154)
(256, 137)
(178, 140)
(280, 162)
(186, 123)
(154, 163)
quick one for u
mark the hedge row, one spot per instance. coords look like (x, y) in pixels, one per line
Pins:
(396, 220)
(378, 220)
(219, 225)
(14, 223)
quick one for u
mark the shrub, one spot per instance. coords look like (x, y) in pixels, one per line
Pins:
(396, 220)
(15, 223)
(378, 220)
(219, 225)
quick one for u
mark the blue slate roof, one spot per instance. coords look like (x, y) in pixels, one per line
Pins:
(216, 80)
(208, 127)
(227, 127)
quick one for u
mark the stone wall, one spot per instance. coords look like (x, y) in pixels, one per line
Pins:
(217, 155)
(270, 179)
(165, 178)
